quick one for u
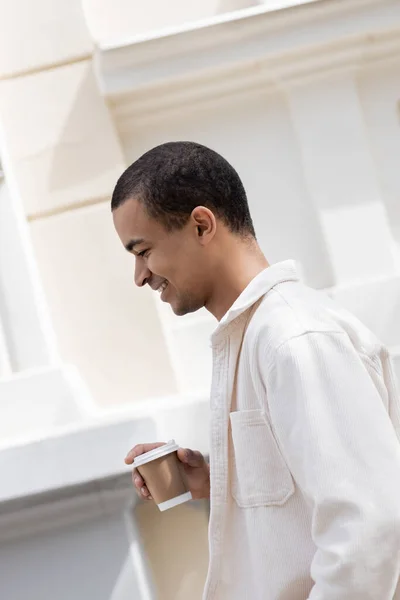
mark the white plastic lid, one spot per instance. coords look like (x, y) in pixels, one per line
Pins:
(168, 448)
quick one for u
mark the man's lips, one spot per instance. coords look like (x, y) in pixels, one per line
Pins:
(159, 286)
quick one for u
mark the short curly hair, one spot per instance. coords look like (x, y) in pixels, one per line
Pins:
(173, 178)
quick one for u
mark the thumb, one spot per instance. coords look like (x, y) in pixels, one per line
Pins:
(192, 458)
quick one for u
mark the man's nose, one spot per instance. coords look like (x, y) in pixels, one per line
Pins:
(142, 273)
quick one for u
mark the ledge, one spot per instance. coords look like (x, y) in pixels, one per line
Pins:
(75, 504)
(41, 400)
(80, 472)
(268, 46)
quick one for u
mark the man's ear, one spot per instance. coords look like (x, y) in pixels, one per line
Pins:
(205, 223)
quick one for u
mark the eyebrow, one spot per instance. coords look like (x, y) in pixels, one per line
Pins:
(132, 243)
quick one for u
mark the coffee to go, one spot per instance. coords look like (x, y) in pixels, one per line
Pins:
(164, 476)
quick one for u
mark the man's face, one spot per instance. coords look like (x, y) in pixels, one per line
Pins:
(174, 263)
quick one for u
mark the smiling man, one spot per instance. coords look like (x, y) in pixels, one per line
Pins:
(305, 420)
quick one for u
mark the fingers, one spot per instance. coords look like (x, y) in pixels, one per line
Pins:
(138, 481)
(192, 458)
(141, 488)
(141, 449)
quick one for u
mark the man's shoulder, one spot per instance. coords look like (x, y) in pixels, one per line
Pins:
(293, 317)
(292, 309)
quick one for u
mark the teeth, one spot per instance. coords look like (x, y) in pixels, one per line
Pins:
(162, 287)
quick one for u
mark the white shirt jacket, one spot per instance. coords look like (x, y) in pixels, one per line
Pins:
(305, 452)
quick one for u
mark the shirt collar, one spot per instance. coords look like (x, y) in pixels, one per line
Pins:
(258, 287)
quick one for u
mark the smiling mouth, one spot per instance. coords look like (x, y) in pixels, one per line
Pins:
(162, 287)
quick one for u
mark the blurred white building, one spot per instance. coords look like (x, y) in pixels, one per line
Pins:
(303, 99)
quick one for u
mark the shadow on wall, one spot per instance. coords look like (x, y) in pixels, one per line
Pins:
(379, 94)
(176, 545)
(79, 159)
(392, 196)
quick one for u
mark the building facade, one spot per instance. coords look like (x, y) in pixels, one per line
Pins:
(303, 98)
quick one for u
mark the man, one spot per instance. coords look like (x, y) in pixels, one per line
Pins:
(305, 422)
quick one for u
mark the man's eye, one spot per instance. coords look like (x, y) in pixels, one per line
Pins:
(143, 253)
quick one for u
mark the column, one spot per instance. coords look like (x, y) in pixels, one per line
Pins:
(28, 338)
(335, 124)
(5, 359)
(341, 177)
(38, 392)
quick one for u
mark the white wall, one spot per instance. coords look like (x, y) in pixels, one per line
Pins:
(379, 94)
(111, 21)
(35, 35)
(104, 324)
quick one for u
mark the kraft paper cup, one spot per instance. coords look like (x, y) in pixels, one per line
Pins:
(164, 476)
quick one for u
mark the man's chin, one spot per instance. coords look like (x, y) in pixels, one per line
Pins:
(182, 310)
(179, 311)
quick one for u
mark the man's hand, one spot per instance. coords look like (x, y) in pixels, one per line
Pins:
(196, 469)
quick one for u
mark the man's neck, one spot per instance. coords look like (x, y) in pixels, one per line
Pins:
(241, 264)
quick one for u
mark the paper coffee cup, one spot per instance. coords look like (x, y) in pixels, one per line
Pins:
(162, 471)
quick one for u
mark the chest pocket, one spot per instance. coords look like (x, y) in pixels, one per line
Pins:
(260, 475)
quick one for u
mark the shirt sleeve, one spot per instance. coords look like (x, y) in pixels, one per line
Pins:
(340, 446)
